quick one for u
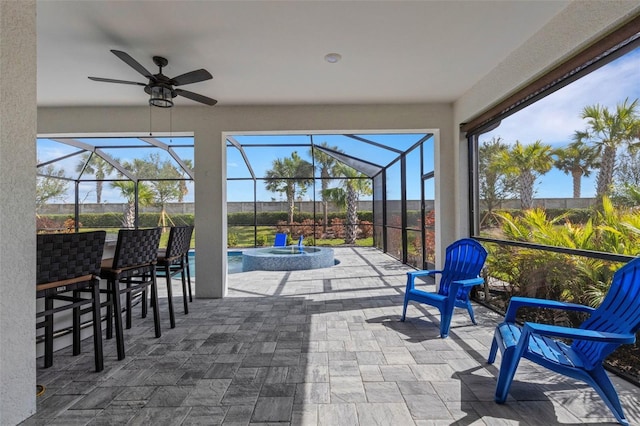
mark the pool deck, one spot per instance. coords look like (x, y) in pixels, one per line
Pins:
(319, 347)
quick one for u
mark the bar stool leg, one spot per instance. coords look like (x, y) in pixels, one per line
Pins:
(172, 316)
(113, 284)
(154, 301)
(76, 326)
(109, 314)
(128, 301)
(97, 327)
(184, 287)
(188, 275)
(48, 333)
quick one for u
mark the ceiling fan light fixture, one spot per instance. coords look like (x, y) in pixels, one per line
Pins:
(161, 97)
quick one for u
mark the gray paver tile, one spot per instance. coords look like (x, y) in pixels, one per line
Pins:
(311, 348)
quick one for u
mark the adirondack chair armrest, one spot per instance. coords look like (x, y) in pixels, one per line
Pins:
(578, 333)
(456, 285)
(519, 302)
(411, 276)
(423, 273)
(471, 282)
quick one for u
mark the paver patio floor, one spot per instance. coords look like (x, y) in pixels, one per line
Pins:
(320, 347)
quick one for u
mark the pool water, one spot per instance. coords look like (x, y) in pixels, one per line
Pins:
(234, 261)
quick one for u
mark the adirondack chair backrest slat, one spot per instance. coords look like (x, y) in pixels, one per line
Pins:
(618, 313)
(463, 260)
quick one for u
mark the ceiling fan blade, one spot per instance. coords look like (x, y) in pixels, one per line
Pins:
(191, 77)
(133, 63)
(110, 80)
(196, 97)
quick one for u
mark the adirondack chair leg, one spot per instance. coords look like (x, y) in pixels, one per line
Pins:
(508, 367)
(602, 384)
(470, 310)
(493, 352)
(404, 309)
(445, 324)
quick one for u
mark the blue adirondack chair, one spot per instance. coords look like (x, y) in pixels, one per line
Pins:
(280, 240)
(463, 262)
(613, 323)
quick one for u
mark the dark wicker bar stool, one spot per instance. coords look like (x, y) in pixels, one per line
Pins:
(68, 266)
(130, 272)
(173, 260)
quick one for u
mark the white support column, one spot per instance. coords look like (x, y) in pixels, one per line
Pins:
(17, 206)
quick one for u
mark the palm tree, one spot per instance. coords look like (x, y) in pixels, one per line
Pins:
(326, 165)
(607, 131)
(128, 191)
(527, 162)
(290, 176)
(576, 159)
(347, 196)
(96, 166)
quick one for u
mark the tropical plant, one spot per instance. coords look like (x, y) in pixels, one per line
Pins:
(325, 165)
(576, 159)
(607, 131)
(526, 162)
(555, 275)
(347, 196)
(92, 163)
(291, 176)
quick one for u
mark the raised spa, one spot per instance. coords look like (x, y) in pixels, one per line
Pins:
(290, 258)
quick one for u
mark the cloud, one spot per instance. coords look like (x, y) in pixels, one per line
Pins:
(556, 117)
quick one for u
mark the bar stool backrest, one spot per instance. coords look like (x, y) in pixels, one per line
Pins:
(136, 247)
(179, 241)
(66, 256)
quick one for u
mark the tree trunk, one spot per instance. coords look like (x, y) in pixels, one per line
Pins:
(99, 191)
(576, 174)
(325, 220)
(605, 175)
(128, 221)
(526, 190)
(352, 216)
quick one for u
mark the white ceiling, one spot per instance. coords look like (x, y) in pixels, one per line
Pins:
(272, 52)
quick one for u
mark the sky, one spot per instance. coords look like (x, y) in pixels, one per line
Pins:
(552, 120)
(555, 118)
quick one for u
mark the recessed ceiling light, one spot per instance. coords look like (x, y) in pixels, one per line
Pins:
(332, 57)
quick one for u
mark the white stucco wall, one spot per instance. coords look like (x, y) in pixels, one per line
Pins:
(576, 27)
(209, 124)
(17, 210)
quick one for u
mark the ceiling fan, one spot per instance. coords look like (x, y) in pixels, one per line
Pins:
(160, 87)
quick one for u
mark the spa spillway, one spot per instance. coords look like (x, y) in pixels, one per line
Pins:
(290, 258)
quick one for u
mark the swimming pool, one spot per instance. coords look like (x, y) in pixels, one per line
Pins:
(234, 262)
(290, 258)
